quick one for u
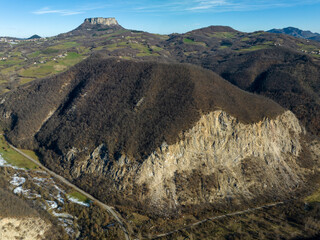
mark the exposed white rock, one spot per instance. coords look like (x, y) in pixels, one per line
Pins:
(52, 204)
(20, 190)
(218, 159)
(62, 215)
(238, 159)
(17, 181)
(103, 21)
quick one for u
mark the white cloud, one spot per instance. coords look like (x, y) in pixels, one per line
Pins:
(179, 6)
(243, 5)
(62, 12)
(68, 12)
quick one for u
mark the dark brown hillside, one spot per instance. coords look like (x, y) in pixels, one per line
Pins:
(247, 59)
(287, 77)
(213, 29)
(131, 106)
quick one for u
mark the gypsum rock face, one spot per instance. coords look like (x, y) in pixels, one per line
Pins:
(218, 159)
(233, 159)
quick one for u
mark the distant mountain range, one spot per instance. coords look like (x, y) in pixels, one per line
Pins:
(296, 32)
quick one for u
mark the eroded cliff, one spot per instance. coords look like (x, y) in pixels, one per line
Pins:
(222, 159)
(103, 21)
(218, 160)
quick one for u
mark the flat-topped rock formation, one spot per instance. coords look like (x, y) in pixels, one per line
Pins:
(102, 21)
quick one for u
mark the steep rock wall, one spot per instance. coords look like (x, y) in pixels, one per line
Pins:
(103, 21)
(219, 159)
(222, 158)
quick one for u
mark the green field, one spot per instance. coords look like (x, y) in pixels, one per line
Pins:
(66, 45)
(253, 48)
(223, 35)
(307, 47)
(51, 67)
(30, 153)
(244, 39)
(191, 41)
(14, 158)
(79, 197)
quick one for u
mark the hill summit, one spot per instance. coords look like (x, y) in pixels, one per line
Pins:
(103, 21)
(97, 26)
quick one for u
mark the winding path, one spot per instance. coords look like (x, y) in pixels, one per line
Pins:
(110, 209)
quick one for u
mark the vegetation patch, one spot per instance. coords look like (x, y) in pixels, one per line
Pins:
(49, 51)
(34, 54)
(38, 72)
(223, 35)
(25, 80)
(307, 47)
(14, 158)
(257, 33)
(253, 48)
(191, 41)
(52, 67)
(11, 62)
(66, 45)
(188, 40)
(31, 154)
(157, 49)
(79, 196)
(268, 43)
(314, 197)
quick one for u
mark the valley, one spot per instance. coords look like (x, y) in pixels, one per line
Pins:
(47, 191)
(111, 133)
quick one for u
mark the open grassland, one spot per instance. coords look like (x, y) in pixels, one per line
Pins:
(80, 197)
(191, 41)
(308, 47)
(253, 48)
(66, 45)
(14, 158)
(51, 67)
(223, 35)
(31, 154)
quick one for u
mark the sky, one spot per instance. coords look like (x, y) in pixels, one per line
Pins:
(23, 18)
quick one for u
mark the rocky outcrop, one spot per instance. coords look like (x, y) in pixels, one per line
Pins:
(218, 160)
(24, 228)
(102, 21)
(221, 158)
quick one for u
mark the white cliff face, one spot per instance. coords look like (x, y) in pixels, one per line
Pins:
(234, 159)
(24, 228)
(218, 159)
(103, 21)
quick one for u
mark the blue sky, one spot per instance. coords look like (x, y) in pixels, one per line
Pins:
(23, 18)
